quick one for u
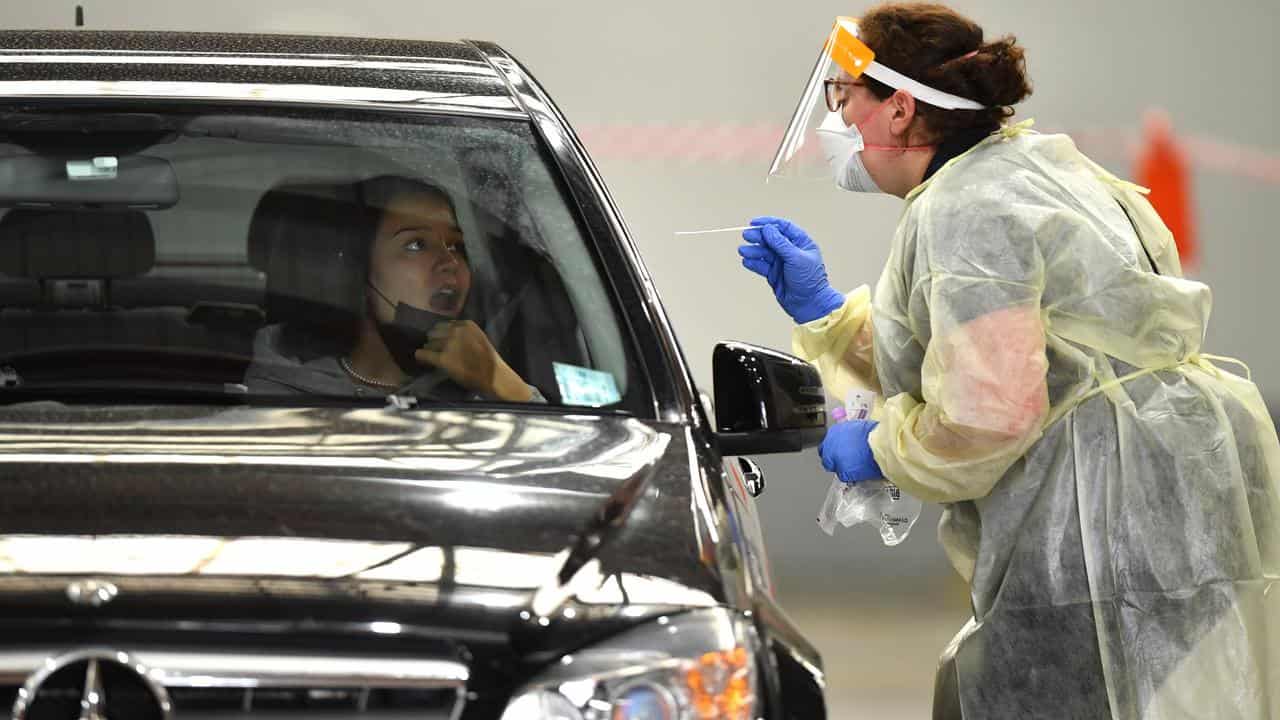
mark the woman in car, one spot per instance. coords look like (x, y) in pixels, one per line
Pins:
(412, 338)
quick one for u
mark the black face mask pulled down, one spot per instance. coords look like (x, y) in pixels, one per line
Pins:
(407, 332)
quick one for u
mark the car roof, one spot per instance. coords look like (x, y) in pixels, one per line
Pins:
(440, 69)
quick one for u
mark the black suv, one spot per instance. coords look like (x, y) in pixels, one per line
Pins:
(331, 385)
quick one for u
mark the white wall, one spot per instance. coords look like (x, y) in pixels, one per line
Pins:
(1096, 65)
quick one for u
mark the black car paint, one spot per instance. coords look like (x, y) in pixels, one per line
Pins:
(684, 528)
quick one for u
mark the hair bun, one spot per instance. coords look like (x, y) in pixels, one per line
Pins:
(1001, 73)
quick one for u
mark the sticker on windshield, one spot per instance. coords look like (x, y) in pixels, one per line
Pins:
(584, 386)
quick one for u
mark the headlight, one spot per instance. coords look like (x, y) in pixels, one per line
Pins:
(694, 666)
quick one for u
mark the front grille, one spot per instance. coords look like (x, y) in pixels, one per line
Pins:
(363, 702)
(188, 685)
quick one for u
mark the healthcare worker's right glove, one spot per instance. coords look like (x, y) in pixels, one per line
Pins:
(785, 256)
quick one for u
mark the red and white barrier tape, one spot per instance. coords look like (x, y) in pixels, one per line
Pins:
(696, 143)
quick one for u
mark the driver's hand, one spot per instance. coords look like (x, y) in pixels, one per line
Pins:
(464, 352)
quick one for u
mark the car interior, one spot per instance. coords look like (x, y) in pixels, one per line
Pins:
(150, 248)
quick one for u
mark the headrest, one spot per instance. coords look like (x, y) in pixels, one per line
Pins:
(45, 244)
(309, 239)
(290, 206)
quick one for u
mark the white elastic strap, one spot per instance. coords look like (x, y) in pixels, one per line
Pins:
(920, 91)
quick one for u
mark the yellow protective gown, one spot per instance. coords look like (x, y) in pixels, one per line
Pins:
(1109, 492)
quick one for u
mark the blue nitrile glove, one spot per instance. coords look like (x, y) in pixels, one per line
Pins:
(792, 263)
(846, 452)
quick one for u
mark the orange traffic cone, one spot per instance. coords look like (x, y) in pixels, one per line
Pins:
(1162, 167)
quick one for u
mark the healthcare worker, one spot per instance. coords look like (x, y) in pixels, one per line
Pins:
(1108, 489)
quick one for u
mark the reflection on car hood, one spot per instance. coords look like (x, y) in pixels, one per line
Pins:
(377, 516)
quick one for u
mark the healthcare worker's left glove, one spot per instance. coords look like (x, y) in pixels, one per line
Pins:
(792, 263)
(846, 451)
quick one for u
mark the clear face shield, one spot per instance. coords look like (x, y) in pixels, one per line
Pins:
(817, 139)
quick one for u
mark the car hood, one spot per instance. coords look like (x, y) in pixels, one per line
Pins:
(439, 524)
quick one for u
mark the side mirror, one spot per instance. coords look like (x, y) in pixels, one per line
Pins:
(766, 401)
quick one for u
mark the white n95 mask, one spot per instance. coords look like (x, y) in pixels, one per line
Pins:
(842, 146)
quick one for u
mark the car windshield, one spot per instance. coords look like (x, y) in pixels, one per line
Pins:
(285, 255)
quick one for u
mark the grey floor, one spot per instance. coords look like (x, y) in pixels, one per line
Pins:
(879, 649)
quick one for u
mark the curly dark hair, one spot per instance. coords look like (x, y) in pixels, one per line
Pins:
(941, 48)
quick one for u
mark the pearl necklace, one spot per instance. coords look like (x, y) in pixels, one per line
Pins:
(346, 365)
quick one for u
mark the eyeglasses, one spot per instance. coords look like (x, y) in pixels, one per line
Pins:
(829, 90)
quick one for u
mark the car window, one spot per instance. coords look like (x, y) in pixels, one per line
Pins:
(291, 256)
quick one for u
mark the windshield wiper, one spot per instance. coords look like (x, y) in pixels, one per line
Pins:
(604, 524)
